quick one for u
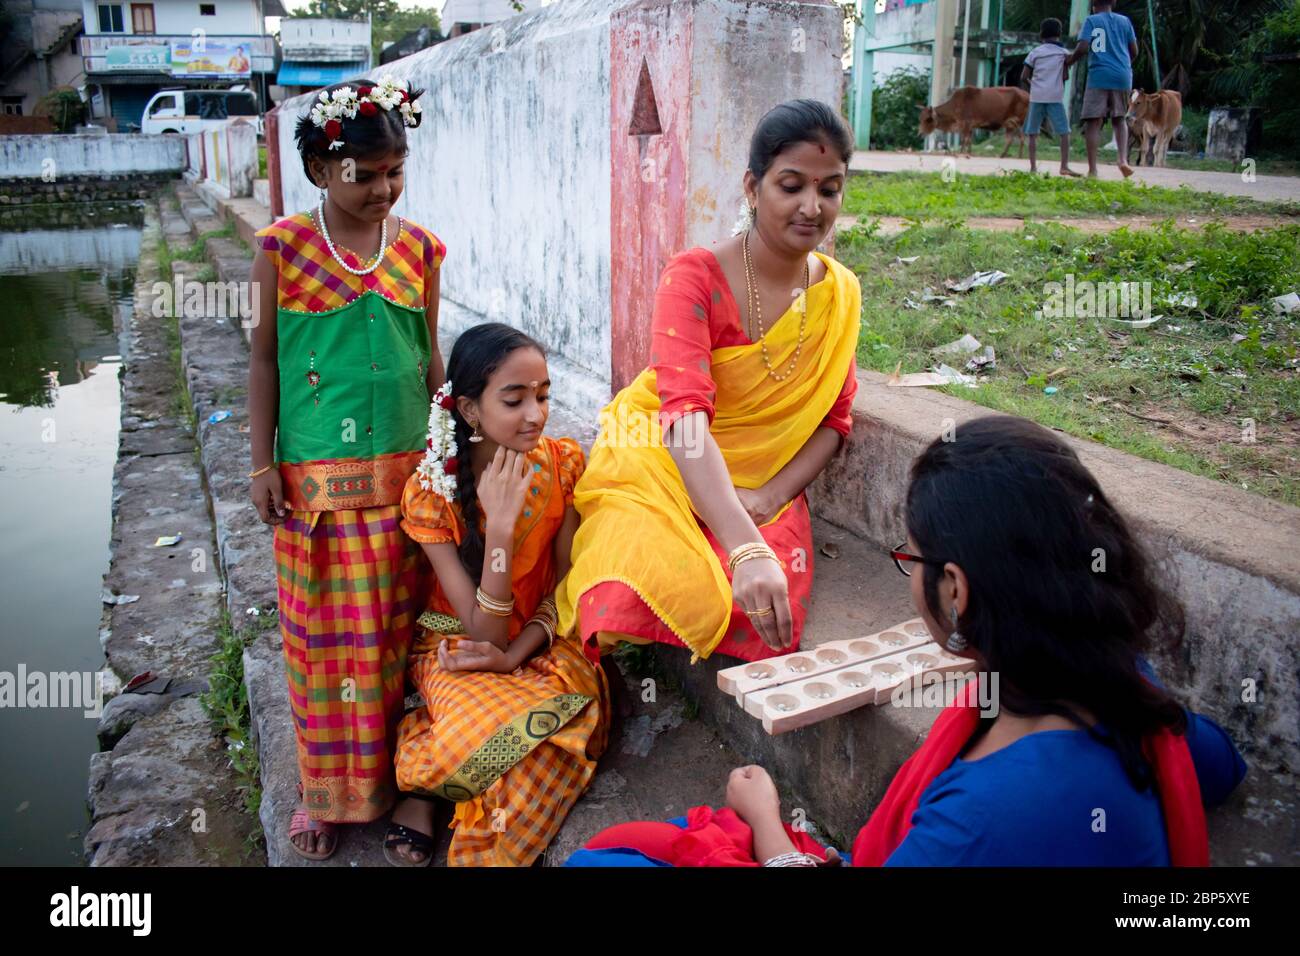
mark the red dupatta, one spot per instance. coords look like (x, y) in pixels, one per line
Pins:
(1168, 754)
(721, 838)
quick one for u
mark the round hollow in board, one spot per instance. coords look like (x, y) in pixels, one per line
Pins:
(865, 648)
(922, 660)
(854, 679)
(886, 670)
(781, 703)
(830, 655)
(759, 671)
(916, 629)
(893, 639)
(799, 664)
(819, 690)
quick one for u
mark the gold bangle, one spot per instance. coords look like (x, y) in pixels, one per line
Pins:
(261, 471)
(746, 548)
(494, 607)
(548, 628)
(755, 551)
(749, 557)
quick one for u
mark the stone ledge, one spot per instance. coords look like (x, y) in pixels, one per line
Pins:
(1231, 552)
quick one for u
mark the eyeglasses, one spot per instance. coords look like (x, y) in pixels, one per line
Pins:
(902, 558)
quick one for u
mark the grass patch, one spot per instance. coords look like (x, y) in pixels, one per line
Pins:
(1019, 194)
(1204, 369)
(182, 406)
(226, 704)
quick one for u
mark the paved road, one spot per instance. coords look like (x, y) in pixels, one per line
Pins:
(1264, 188)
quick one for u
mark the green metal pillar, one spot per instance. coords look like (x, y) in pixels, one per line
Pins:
(863, 72)
(1155, 54)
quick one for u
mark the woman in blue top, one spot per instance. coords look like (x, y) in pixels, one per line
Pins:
(1025, 566)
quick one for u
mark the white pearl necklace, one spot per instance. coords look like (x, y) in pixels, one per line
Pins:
(379, 256)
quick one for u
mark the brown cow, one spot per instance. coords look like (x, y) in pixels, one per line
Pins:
(973, 107)
(1155, 117)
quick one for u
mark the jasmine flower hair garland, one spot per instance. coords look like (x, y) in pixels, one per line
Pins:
(330, 109)
(437, 469)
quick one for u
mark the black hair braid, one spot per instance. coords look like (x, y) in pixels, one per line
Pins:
(472, 544)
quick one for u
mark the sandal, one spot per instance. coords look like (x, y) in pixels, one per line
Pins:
(398, 834)
(301, 822)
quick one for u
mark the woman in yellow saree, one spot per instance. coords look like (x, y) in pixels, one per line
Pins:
(699, 534)
(513, 717)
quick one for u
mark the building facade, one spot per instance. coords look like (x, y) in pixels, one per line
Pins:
(132, 50)
(319, 52)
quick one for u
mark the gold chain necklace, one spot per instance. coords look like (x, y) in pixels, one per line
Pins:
(756, 310)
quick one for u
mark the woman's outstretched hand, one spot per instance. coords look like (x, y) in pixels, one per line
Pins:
(502, 487)
(760, 583)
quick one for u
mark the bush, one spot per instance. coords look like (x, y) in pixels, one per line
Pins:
(894, 116)
(64, 107)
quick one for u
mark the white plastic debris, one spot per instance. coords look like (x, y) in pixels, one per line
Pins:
(962, 346)
(1185, 299)
(1286, 304)
(1138, 323)
(906, 260)
(110, 598)
(975, 280)
(953, 377)
(985, 361)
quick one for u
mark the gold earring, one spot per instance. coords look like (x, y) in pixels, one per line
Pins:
(476, 437)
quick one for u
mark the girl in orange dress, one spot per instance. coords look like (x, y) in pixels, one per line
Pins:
(513, 717)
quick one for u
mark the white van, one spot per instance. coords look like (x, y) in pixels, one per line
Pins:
(192, 111)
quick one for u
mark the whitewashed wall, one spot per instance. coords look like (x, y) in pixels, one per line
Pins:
(85, 154)
(510, 168)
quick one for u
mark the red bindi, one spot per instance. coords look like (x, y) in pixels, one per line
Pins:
(383, 167)
(821, 148)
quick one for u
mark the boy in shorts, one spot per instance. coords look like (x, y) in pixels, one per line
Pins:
(1109, 42)
(1045, 72)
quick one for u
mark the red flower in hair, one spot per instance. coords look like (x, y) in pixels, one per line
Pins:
(428, 443)
(451, 465)
(447, 402)
(368, 108)
(333, 129)
(401, 97)
(364, 91)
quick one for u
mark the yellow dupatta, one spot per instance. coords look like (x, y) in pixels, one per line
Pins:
(638, 526)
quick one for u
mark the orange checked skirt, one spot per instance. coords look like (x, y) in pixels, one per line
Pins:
(513, 751)
(349, 586)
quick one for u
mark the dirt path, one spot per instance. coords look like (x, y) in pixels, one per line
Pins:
(893, 225)
(1263, 188)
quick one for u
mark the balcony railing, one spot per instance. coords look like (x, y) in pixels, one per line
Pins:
(178, 54)
(324, 41)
